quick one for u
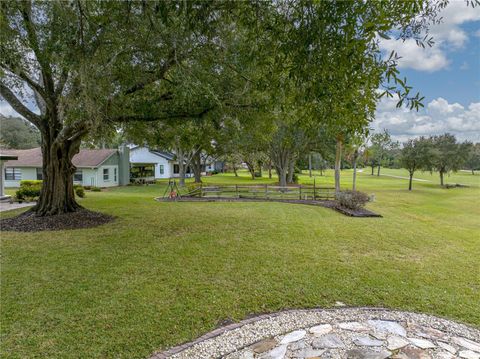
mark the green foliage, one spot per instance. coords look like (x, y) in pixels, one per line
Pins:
(95, 189)
(352, 199)
(473, 157)
(447, 154)
(79, 190)
(17, 133)
(29, 190)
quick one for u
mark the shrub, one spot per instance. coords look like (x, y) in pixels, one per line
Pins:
(352, 199)
(88, 188)
(96, 189)
(29, 190)
(214, 172)
(295, 178)
(79, 191)
(257, 174)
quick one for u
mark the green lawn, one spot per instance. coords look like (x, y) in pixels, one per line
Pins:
(165, 273)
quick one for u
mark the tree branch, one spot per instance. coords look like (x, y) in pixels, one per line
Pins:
(18, 106)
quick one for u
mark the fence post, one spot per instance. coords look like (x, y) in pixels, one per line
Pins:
(236, 190)
(266, 191)
(314, 189)
(300, 191)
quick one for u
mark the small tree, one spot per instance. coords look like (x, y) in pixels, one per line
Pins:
(415, 155)
(382, 144)
(447, 155)
(473, 157)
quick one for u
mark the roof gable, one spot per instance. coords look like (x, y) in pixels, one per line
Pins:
(33, 157)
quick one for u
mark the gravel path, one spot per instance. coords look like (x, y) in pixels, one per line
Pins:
(370, 333)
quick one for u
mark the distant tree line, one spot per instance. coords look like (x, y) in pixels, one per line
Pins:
(17, 133)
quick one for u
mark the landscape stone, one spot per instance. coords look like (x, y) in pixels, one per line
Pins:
(367, 354)
(388, 327)
(422, 343)
(395, 342)
(308, 353)
(447, 347)
(468, 354)
(330, 341)
(264, 345)
(293, 336)
(353, 326)
(368, 342)
(276, 353)
(411, 353)
(321, 329)
(466, 343)
(297, 345)
(444, 355)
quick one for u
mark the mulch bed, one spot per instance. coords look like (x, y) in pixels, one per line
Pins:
(29, 222)
(362, 212)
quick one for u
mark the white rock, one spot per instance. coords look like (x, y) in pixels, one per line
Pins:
(467, 343)
(293, 336)
(308, 353)
(468, 354)
(330, 341)
(422, 343)
(276, 353)
(321, 329)
(447, 347)
(368, 342)
(354, 326)
(395, 342)
(340, 304)
(388, 326)
(444, 355)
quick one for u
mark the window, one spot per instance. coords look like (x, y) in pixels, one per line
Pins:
(106, 174)
(162, 169)
(78, 176)
(115, 174)
(39, 174)
(176, 169)
(13, 174)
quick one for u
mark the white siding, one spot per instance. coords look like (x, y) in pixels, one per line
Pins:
(28, 173)
(143, 155)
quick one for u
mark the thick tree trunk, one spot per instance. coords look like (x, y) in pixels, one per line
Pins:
(235, 170)
(378, 171)
(270, 169)
(197, 167)
(410, 181)
(441, 178)
(260, 164)
(373, 169)
(338, 160)
(282, 176)
(473, 172)
(291, 170)
(57, 195)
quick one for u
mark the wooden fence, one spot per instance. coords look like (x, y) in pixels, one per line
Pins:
(264, 192)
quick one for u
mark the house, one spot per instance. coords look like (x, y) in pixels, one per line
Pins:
(149, 163)
(3, 160)
(99, 168)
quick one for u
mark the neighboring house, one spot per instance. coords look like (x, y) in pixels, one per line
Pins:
(99, 168)
(146, 163)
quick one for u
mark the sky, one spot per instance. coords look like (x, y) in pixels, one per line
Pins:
(447, 74)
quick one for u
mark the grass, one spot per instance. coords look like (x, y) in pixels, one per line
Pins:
(165, 273)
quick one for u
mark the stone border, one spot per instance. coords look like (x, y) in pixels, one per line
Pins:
(285, 321)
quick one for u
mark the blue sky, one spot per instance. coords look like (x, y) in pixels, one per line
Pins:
(447, 74)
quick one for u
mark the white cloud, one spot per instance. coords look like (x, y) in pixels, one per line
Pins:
(448, 36)
(415, 57)
(438, 117)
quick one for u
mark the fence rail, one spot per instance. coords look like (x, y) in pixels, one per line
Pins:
(264, 192)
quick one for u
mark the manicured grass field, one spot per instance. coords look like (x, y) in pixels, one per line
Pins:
(165, 273)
